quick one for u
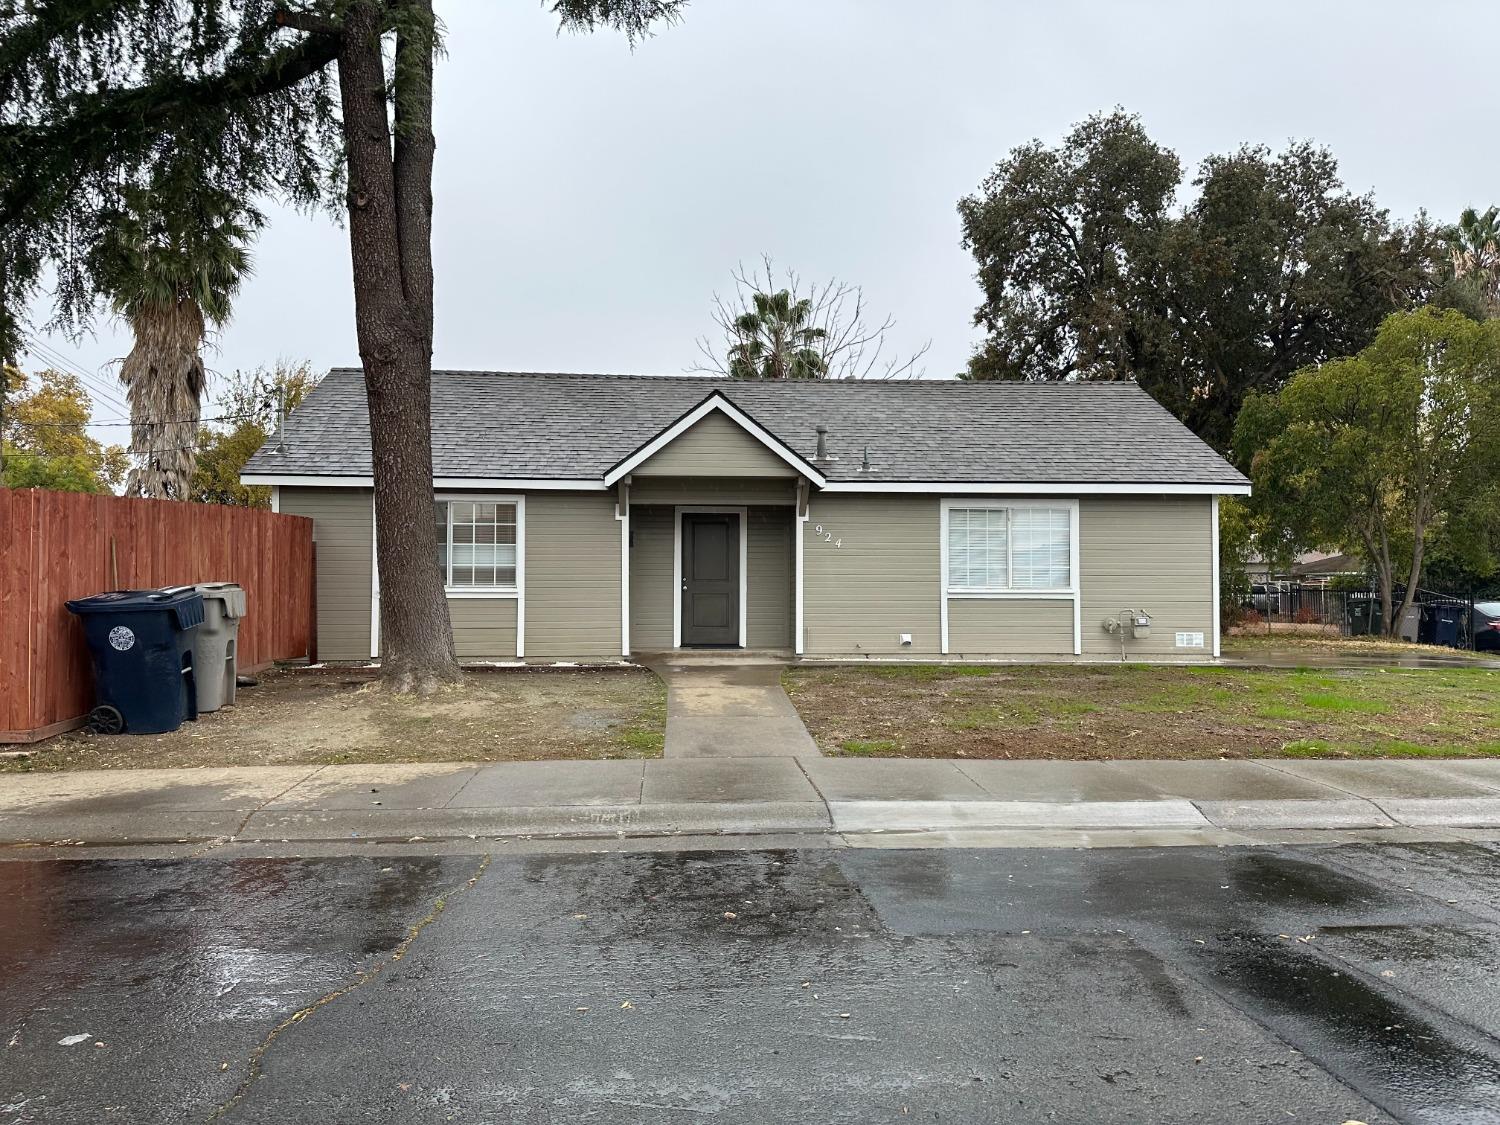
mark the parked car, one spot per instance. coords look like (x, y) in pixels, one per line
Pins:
(1487, 626)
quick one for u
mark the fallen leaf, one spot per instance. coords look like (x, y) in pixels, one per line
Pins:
(627, 1004)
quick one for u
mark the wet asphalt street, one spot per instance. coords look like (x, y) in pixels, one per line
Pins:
(1187, 984)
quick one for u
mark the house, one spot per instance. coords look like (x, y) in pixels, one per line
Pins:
(593, 517)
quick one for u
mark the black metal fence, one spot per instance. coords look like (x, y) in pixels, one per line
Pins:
(1435, 618)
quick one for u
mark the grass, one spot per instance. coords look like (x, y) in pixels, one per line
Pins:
(1149, 711)
(876, 747)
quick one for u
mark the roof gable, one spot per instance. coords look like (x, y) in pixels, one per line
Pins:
(715, 438)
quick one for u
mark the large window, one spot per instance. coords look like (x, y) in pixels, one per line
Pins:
(1000, 549)
(477, 544)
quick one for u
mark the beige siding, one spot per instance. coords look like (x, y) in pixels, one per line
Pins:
(572, 576)
(1148, 553)
(768, 578)
(343, 530)
(651, 590)
(1010, 627)
(715, 446)
(483, 628)
(877, 576)
(726, 491)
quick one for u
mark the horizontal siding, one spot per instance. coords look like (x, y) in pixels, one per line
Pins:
(572, 576)
(1009, 627)
(715, 446)
(879, 581)
(483, 628)
(769, 580)
(651, 589)
(343, 529)
(1148, 553)
(728, 491)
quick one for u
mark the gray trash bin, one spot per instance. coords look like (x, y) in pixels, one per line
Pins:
(214, 647)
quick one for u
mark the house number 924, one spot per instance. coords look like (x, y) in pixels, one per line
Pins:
(827, 535)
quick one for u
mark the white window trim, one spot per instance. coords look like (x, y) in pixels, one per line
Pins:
(506, 591)
(743, 513)
(499, 593)
(947, 593)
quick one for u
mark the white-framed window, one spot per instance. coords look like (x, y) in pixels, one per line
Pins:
(1002, 548)
(478, 541)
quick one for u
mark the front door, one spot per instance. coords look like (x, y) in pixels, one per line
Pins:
(710, 578)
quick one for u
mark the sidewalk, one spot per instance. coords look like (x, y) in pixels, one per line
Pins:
(861, 802)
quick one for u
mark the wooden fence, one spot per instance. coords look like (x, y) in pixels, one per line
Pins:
(60, 545)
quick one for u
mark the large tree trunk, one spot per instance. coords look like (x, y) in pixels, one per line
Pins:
(390, 203)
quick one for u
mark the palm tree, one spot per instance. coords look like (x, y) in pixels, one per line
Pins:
(172, 273)
(1474, 250)
(773, 340)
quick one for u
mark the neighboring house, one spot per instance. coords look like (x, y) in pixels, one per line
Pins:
(590, 517)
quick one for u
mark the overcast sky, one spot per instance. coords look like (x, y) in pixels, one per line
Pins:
(589, 200)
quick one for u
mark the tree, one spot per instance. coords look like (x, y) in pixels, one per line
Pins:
(1274, 267)
(1474, 256)
(251, 403)
(779, 327)
(96, 94)
(1382, 452)
(46, 441)
(171, 275)
(1090, 272)
(1066, 243)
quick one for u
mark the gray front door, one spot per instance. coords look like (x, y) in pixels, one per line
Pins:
(710, 578)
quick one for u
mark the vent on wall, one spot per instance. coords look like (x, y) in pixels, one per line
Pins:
(1189, 640)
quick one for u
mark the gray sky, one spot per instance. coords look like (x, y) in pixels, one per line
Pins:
(590, 200)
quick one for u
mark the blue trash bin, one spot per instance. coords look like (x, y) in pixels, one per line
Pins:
(142, 645)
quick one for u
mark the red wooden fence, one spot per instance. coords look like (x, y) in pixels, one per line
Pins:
(60, 545)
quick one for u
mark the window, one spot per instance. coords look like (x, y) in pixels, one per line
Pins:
(477, 544)
(1002, 549)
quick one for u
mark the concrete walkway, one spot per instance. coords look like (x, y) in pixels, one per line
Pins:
(872, 803)
(730, 710)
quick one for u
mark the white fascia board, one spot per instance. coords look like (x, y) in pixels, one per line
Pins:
(522, 484)
(1032, 488)
(715, 402)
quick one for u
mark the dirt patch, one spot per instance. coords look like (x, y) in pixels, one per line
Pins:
(1138, 711)
(325, 716)
(1254, 640)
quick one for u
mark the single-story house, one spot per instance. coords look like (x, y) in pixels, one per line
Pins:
(595, 517)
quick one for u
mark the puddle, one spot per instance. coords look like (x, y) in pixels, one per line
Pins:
(1388, 1052)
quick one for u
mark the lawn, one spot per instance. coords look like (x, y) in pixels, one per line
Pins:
(1147, 711)
(329, 716)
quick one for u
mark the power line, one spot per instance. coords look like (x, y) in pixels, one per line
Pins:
(90, 379)
(128, 422)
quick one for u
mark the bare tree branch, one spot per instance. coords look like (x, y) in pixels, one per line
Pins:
(774, 325)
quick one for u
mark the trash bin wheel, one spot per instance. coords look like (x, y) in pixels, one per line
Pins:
(104, 719)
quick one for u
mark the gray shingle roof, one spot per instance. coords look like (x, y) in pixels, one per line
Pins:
(526, 425)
